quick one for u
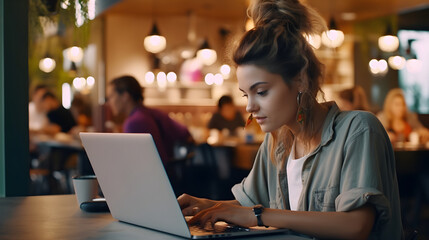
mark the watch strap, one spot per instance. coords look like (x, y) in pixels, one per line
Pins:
(257, 210)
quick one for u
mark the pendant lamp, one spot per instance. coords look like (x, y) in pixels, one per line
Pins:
(333, 37)
(388, 42)
(397, 62)
(314, 40)
(378, 67)
(413, 65)
(47, 64)
(75, 54)
(206, 55)
(154, 42)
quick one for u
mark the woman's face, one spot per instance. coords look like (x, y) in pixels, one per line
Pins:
(269, 99)
(115, 100)
(398, 107)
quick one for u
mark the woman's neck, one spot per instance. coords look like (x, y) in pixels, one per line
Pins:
(306, 144)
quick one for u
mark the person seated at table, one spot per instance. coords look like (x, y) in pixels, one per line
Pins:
(36, 116)
(353, 99)
(398, 120)
(60, 119)
(227, 116)
(81, 111)
(319, 171)
(125, 96)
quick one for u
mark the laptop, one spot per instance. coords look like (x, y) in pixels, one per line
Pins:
(137, 189)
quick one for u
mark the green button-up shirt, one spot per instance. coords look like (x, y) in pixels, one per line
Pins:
(353, 165)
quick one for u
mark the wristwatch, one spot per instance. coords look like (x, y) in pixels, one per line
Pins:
(258, 209)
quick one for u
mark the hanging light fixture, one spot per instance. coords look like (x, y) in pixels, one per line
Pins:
(333, 37)
(154, 42)
(378, 67)
(388, 42)
(314, 40)
(396, 62)
(74, 54)
(206, 55)
(47, 64)
(413, 65)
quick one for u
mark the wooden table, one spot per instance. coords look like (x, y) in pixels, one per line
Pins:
(58, 217)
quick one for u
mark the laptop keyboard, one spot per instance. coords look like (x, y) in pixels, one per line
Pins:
(220, 227)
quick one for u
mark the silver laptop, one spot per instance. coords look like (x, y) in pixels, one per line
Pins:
(137, 190)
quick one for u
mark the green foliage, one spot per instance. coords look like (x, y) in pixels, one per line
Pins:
(68, 35)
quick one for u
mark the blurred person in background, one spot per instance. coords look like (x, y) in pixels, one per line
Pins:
(81, 110)
(398, 121)
(353, 99)
(125, 96)
(36, 116)
(227, 116)
(60, 119)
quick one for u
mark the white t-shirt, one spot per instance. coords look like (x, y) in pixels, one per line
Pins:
(36, 120)
(294, 178)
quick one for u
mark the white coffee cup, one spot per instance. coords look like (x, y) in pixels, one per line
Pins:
(85, 187)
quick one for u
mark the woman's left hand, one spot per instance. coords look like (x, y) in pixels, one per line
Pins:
(230, 213)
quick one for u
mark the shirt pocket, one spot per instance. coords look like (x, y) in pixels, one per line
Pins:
(324, 199)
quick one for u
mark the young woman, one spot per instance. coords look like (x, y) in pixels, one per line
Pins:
(398, 121)
(319, 171)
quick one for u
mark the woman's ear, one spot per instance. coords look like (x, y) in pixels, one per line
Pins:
(298, 84)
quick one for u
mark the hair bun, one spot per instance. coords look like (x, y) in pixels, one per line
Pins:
(290, 14)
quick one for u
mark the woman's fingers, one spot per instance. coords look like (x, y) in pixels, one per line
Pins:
(234, 214)
(209, 215)
(219, 212)
(184, 200)
(190, 211)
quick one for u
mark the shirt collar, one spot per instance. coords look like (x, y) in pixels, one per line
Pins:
(328, 125)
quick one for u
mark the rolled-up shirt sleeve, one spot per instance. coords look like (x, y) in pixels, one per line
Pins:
(368, 168)
(254, 189)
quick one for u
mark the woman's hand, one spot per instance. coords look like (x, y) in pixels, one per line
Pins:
(192, 205)
(231, 213)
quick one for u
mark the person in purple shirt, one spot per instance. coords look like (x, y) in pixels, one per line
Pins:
(125, 96)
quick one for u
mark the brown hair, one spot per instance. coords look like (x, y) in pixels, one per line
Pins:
(392, 94)
(277, 44)
(357, 97)
(130, 85)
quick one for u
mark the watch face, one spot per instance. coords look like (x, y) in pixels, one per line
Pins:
(258, 209)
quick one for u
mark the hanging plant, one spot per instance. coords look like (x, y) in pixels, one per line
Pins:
(63, 12)
(69, 29)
